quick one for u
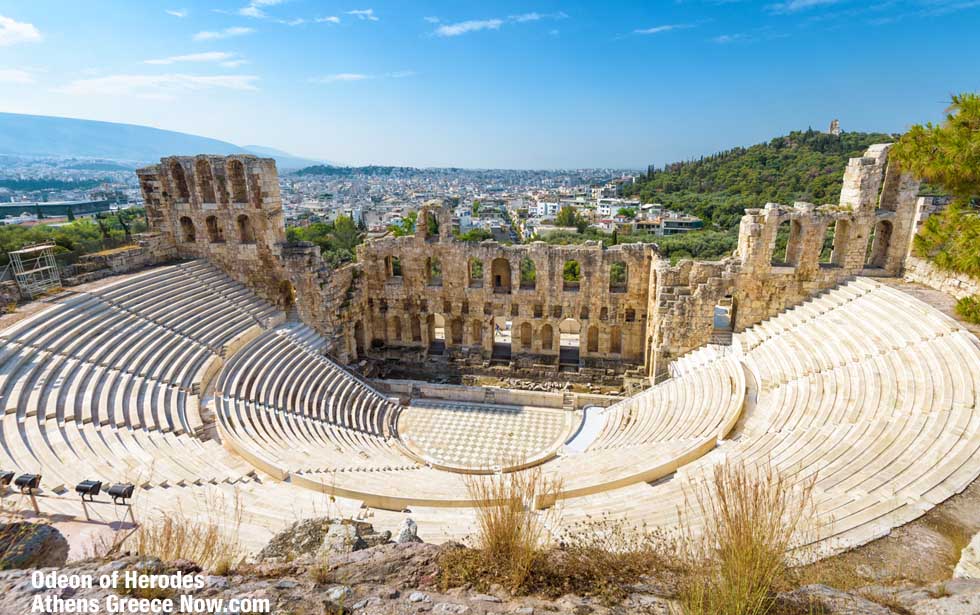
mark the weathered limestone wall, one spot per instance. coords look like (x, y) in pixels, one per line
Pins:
(409, 280)
(224, 208)
(956, 285)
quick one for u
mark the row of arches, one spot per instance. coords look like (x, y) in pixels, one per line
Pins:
(233, 190)
(216, 234)
(787, 248)
(501, 276)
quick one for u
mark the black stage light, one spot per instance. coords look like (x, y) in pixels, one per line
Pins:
(88, 489)
(121, 491)
(28, 482)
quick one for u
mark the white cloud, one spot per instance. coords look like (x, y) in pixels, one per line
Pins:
(730, 38)
(431, 19)
(209, 56)
(13, 32)
(793, 6)
(367, 14)
(15, 75)
(474, 25)
(234, 63)
(664, 28)
(330, 19)
(161, 87)
(220, 34)
(176, 12)
(349, 77)
(341, 77)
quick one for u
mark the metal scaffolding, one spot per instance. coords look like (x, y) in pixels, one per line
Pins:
(35, 269)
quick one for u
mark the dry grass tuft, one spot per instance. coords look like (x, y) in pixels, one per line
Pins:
(211, 540)
(738, 559)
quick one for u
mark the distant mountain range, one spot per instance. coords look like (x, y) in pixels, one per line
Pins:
(61, 137)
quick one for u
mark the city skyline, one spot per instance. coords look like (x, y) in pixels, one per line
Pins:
(512, 85)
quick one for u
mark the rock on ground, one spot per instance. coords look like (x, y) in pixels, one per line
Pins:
(31, 545)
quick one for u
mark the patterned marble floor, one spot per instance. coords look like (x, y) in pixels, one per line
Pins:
(479, 436)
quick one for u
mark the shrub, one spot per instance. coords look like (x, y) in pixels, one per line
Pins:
(969, 309)
(738, 559)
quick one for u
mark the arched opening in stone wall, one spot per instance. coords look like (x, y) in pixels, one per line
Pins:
(180, 181)
(547, 336)
(630, 315)
(437, 333)
(236, 179)
(359, 338)
(878, 244)
(395, 330)
(571, 275)
(583, 314)
(568, 340)
(215, 233)
(187, 231)
(393, 266)
(475, 276)
(500, 271)
(842, 238)
(526, 335)
(604, 314)
(205, 180)
(433, 271)
(615, 340)
(416, 328)
(456, 331)
(722, 319)
(501, 338)
(593, 339)
(827, 248)
(529, 274)
(787, 244)
(476, 333)
(245, 232)
(618, 277)
(431, 227)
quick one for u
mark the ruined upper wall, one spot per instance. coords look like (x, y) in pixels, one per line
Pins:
(224, 208)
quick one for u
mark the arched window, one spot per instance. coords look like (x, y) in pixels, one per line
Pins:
(878, 244)
(395, 329)
(618, 277)
(593, 339)
(475, 278)
(359, 337)
(236, 179)
(604, 314)
(528, 274)
(526, 336)
(571, 275)
(546, 335)
(417, 329)
(456, 328)
(180, 181)
(187, 230)
(433, 271)
(205, 180)
(584, 313)
(476, 333)
(215, 234)
(842, 238)
(245, 232)
(615, 340)
(827, 248)
(431, 226)
(500, 270)
(787, 244)
(393, 266)
(630, 315)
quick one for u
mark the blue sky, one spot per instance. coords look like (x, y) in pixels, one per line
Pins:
(540, 84)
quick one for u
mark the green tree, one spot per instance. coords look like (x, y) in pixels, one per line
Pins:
(71, 214)
(948, 155)
(476, 235)
(572, 271)
(406, 226)
(627, 212)
(569, 216)
(476, 207)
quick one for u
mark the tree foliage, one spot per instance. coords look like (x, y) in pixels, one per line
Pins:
(569, 216)
(702, 245)
(337, 240)
(475, 235)
(807, 166)
(406, 226)
(948, 155)
(82, 236)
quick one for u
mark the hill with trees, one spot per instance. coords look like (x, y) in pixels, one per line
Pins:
(801, 166)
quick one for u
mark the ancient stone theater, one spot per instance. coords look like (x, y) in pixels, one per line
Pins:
(217, 362)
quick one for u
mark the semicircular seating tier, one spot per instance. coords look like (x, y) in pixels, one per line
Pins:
(865, 390)
(103, 383)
